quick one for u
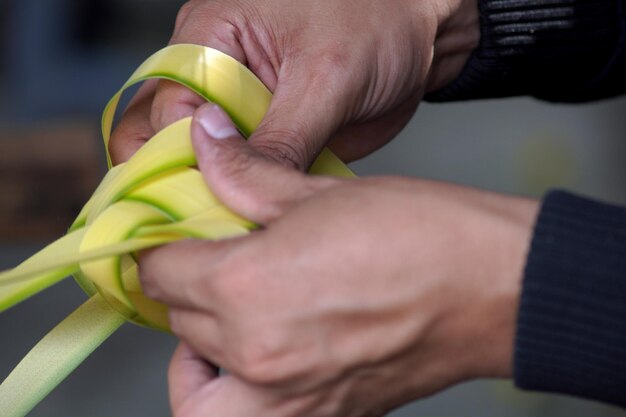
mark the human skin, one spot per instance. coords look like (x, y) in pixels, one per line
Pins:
(355, 297)
(348, 71)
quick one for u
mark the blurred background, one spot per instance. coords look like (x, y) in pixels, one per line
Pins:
(60, 61)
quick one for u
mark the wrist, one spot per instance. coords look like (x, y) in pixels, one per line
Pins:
(458, 34)
(556, 50)
(507, 233)
(479, 307)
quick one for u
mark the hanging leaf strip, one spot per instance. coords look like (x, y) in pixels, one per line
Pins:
(158, 196)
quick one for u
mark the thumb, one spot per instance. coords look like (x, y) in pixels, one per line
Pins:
(307, 108)
(188, 373)
(197, 390)
(246, 181)
(227, 396)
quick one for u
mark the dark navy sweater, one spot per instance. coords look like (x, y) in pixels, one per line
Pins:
(571, 329)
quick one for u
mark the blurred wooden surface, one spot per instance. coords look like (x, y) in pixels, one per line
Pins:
(47, 173)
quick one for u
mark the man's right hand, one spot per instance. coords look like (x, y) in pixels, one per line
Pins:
(352, 71)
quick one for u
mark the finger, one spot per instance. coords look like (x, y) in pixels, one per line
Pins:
(218, 25)
(242, 178)
(179, 274)
(201, 332)
(227, 396)
(309, 105)
(187, 374)
(173, 101)
(134, 129)
(358, 140)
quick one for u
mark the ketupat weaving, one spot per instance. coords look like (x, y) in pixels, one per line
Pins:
(157, 197)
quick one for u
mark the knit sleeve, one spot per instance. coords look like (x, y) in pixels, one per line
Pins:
(571, 331)
(557, 50)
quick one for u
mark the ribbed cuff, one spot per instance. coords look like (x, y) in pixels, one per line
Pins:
(571, 334)
(558, 50)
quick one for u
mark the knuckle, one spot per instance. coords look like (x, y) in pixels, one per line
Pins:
(257, 347)
(174, 318)
(184, 12)
(231, 284)
(227, 31)
(128, 137)
(172, 102)
(333, 61)
(208, 23)
(151, 290)
(146, 277)
(254, 369)
(148, 271)
(236, 164)
(286, 146)
(332, 72)
(259, 360)
(237, 161)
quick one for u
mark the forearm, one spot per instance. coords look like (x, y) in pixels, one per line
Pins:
(559, 50)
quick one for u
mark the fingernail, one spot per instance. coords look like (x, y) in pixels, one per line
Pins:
(215, 122)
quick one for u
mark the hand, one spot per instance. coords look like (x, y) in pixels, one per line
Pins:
(351, 70)
(357, 296)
